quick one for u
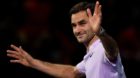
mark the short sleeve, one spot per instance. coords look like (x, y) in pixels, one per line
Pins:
(81, 67)
(117, 66)
(106, 60)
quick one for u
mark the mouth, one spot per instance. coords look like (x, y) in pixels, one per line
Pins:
(80, 35)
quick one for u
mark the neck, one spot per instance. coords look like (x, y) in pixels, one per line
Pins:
(91, 41)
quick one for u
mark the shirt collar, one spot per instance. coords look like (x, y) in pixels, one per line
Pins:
(93, 45)
(90, 51)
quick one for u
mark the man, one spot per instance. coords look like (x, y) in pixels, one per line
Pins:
(102, 59)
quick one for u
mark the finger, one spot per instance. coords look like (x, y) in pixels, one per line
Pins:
(23, 51)
(12, 52)
(16, 53)
(15, 61)
(96, 8)
(13, 56)
(100, 10)
(15, 47)
(89, 12)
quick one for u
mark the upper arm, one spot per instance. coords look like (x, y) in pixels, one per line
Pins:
(80, 70)
(78, 74)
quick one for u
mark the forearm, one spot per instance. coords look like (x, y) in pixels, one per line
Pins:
(110, 46)
(56, 70)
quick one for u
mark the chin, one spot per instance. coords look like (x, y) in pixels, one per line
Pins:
(81, 41)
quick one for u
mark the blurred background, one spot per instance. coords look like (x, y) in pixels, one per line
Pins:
(43, 29)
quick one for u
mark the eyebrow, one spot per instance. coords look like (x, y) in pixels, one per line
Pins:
(82, 21)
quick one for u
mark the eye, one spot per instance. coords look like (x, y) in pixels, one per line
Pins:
(82, 22)
(73, 25)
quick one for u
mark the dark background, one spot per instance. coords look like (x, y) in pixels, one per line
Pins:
(43, 29)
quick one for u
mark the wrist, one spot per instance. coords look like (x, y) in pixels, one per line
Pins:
(101, 31)
(33, 63)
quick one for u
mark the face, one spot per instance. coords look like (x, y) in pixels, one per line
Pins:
(81, 27)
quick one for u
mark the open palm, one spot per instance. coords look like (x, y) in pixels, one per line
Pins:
(20, 56)
(95, 19)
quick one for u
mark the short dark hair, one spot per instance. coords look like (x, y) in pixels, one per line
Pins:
(82, 6)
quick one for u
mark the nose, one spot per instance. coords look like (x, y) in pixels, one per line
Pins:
(77, 30)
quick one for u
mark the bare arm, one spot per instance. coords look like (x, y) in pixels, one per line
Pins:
(108, 42)
(56, 70)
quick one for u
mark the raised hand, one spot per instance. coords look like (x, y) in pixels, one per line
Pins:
(95, 18)
(20, 56)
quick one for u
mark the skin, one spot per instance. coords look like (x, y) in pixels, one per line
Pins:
(85, 28)
(85, 25)
(82, 28)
